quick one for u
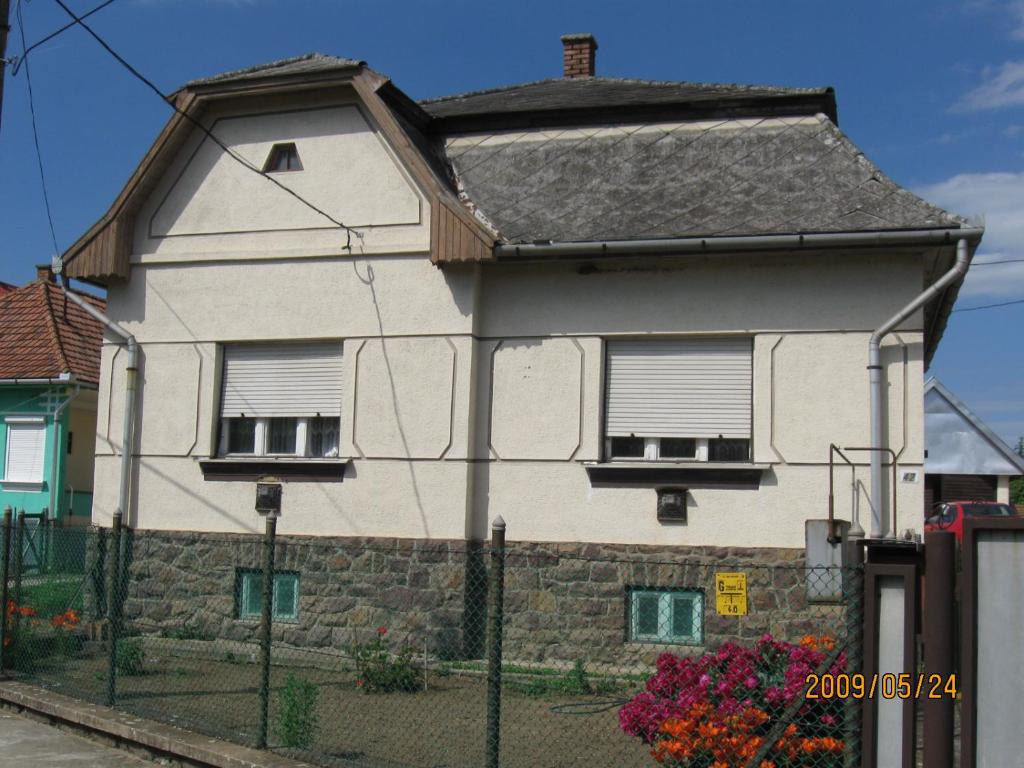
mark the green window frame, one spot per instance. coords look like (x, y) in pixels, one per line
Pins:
(671, 616)
(249, 595)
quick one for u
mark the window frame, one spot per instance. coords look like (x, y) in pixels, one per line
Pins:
(13, 424)
(288, 149)
(652, 444)
(666, 597)
(261, 435)
(244, 580)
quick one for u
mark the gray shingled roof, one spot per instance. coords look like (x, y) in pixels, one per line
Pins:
(685, 179)
(600, 92)
(307, 63)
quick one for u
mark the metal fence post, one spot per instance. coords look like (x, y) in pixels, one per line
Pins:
(939, 632)
(5, 574)
(266, 619)
(17, 555)
(113, 606)
(495, 604)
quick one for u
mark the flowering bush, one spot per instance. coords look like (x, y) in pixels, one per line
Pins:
(382, 672)
(718, 710)
(20, 635)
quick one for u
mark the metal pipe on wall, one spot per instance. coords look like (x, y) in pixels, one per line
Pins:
(959, 269)
(128, 431)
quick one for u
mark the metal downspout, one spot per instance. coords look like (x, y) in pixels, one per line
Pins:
(127, 436)
(959, 269)
(56, 451)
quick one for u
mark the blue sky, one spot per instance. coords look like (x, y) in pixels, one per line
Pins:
(932, 91)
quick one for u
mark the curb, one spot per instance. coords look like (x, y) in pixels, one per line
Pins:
(158, 741)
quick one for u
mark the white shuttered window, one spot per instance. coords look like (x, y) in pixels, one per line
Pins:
(25, 449)
(263, 380)
(281, 399)
(679, 388)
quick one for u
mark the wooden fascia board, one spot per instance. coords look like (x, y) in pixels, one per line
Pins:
(121, 210)
(479, 242)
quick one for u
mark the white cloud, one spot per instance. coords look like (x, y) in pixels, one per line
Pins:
(999, 198)
(1001, 86)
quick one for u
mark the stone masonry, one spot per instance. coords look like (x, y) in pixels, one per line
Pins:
(563, 602)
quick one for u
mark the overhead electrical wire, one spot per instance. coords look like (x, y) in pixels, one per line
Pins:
(35, 130)
(209, 134)
(19, 60)
(990, 306)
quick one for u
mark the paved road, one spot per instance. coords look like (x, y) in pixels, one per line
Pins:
(29, 744)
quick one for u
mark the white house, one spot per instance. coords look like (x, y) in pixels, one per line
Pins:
(548, 301)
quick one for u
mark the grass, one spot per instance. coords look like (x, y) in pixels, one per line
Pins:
(52, 597)
(575, 682)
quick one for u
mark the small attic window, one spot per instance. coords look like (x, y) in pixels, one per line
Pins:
(282, 157)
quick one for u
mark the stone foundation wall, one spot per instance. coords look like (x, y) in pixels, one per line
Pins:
(563, 602)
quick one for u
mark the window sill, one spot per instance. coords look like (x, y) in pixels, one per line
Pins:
(252, 469)
(22, 485)
(688, 474)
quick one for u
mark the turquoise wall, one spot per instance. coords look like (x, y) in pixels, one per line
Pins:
(26, 401)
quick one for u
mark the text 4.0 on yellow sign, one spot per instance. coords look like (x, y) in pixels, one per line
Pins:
(731, 594)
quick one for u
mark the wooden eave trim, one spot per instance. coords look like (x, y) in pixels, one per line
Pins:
(117, 213)
(366, 84)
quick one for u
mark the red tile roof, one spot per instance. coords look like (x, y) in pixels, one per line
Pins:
(43, 335)
(6, 288)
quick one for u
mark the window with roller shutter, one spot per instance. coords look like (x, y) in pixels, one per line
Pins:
(281, 400)
(679, 399)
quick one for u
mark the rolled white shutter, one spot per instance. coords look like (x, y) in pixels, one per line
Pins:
(679, 388)
(282, 380)
(26, 446)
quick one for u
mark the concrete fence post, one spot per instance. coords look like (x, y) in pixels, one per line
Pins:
(495, 613)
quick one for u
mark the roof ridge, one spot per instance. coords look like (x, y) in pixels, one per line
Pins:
(269, 66)
(629, 80)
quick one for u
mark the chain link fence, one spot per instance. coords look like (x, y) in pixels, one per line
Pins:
(444, 653)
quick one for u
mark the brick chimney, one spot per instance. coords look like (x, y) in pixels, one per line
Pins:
(44, 273)
(578, 55)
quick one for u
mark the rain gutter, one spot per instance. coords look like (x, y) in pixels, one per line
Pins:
(127, 438)
(685, 245)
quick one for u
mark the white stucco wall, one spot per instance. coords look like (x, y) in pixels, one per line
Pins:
(470, 393)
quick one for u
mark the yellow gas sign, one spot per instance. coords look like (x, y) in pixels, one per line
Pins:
(731, 594)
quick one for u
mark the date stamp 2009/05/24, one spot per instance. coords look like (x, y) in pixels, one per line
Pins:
(888, 686)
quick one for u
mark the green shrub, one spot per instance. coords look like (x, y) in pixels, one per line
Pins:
(129, 659)
(382, 672)
(296, 713)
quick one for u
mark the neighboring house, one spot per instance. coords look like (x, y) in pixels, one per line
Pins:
(964, 459)
(6, 288)
(49, 371)
(557, 302)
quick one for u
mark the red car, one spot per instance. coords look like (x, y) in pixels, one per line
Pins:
(949, 515)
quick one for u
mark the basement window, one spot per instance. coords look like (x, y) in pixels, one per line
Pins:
(249, 595)
(666, 616)
(282, 157)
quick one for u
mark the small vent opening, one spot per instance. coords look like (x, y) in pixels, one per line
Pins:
(282, 157)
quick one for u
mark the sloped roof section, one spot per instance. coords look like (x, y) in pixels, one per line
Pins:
(959, 442)
(43, 335)
(297, 65)
(708, 178)
(578, 94)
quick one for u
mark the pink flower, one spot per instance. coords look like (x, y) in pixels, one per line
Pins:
(750, 682)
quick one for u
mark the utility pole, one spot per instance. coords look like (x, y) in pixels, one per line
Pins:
(5, 27)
